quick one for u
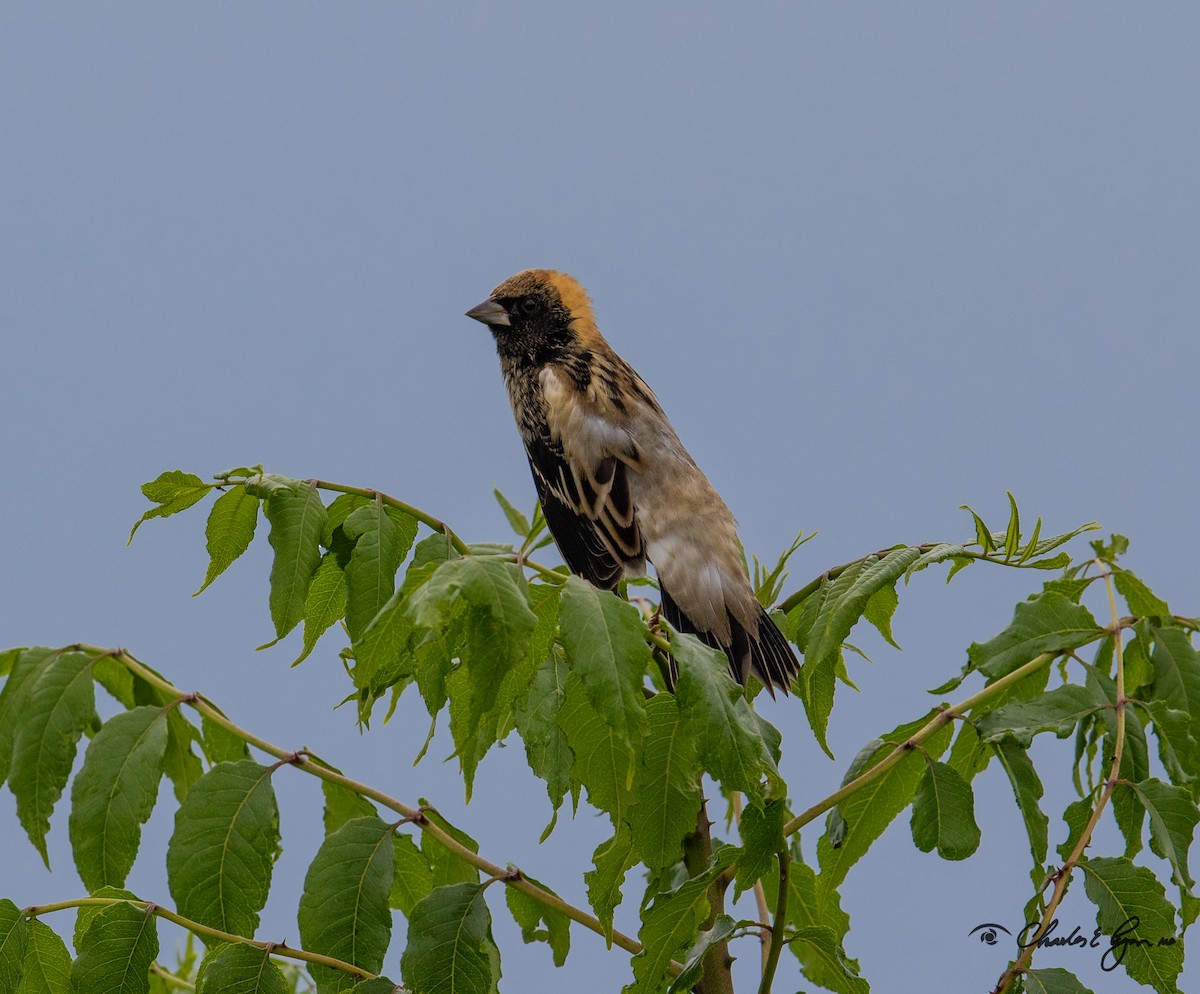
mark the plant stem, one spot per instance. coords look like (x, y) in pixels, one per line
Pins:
(274, 948)
(416, 816)
(778, 925)
(760, 895)
(697, 851)
(1063, 876)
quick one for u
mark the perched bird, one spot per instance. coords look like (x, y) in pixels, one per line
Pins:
(616, 485)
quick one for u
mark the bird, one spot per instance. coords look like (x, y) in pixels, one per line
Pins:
(616, 485)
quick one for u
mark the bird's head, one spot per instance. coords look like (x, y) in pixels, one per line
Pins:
(537, 314)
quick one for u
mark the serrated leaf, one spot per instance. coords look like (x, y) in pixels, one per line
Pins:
(943, 814)
(1177, 748)
(344, 909)
(844, 603)
(820, 926)
(1058, 710)
(546, 745)
(1132, 906)
(180, 763)
(762, 838)
(47, 966)
(1027, 789)
(116, 952)
(610, 862)
(880, 609)
(450, 949)
(939, 553)
(667, 789)
(24, 670)
(381, 542)
(447, 866)
(219, 744)
(341, 803)
(59, 705)
(1054, 980)
(983, 534)
(601, 762)
(713, 714)
(297, 519)
(172, 492)
(325, 603)
(870, 810)
(229, 531)
(722, 928)
(516, 520)
(531, 914)
(87, 913)
(604, 638)
(1173, 817)
(221, 855)
(1177, 674)
(413, 877)
(235, 968)
(384, 656)
(1048, 622)
(1140, 598)
(14, 939)
(114, 794)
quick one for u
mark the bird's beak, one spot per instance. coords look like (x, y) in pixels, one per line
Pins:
(490, 313)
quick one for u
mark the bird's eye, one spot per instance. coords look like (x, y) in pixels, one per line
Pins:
(530, 305)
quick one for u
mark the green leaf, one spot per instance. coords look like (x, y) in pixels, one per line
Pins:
(714, 715)
(172, 491)
(604, 638)
(602, 763)
(983, 534)
(229, 531)
(1032, 544)
(1054, 980)
(845, 601)
(943, 813)
(762, 838)
(58, 706)
(1012, 536)
(447, 866)
(341, 803)
(1133, 906)
(1076, 816)
(870, 810)
(87, 913)
(24, 669)
(820, 926)
(219, 744)
(880, 609)
(1058, 710)
(114, 794)
(671, 922)
(413, 878)
(546, 746)
(116, 953)
(450, 949)
(383, 656)
(1177, 674)
(14, 939)
(180, 763)
(516, 520)
(667, 791)
(693, 965)
(1173, 817)
(530, 914)
(344, 909)
(297, 519)
(221, 854)
(1140, 598)
(325, 603)
(611, 861)
(1049, 622)
(1177, 748)
(381, 542)
(1027, 789)
(235, 968)
(47, 967)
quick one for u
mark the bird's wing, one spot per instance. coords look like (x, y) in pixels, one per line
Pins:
(581, 469)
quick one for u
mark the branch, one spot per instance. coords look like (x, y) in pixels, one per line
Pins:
(273, 948)
(1063, 875)
(777, 926)
(416, 816)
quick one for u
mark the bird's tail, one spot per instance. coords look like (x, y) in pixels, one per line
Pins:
(768, 657)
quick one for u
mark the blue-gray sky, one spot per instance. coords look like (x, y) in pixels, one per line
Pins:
(877, 260)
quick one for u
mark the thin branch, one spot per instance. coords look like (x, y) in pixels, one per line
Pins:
(1063, 875)
(273, 948)
(760, 895)
(171, 978)
(414, 815)
(778, 925)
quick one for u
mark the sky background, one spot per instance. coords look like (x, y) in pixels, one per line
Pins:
(877, 261)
